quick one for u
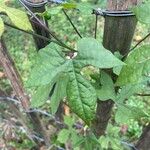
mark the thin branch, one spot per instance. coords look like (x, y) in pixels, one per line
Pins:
(45, 27)
(10, 99)
(34, 34)
(69, 19)
(136, 45)
(96, 20)
(140, 41)
(144, 95)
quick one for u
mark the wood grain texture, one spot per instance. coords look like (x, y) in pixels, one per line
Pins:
(116, 36)
(121, 4)
(118, 33)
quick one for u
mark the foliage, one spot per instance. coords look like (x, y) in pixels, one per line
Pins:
(19, 18)
(54, 68)
(80, 93)
(137, 69)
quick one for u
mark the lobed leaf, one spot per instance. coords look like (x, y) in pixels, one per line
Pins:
(41, 95)
(142, 13)
(137, 68)
(59, 92)
(105, 87)
(91, 52)
(19, 18)
(50, 64)
(63, 136)
(81, 95)
(126, 112)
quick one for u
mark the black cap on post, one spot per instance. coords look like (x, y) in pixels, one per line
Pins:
(119, 30)
(38, 6)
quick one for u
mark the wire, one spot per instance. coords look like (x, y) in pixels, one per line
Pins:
(96, 20)
(10, 99)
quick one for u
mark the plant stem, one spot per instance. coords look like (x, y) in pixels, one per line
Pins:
(140, 41)
(74, 27)
(41, 24)
(34, 34)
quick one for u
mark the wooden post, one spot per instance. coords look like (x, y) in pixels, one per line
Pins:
(119, 26)
(38, 7)
(104, 108)
(144, 141)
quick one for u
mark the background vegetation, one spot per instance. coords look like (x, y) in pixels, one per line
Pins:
(22, 49)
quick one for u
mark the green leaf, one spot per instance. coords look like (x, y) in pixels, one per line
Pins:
(19, 18)
(69, 5)
(41, 95)
(63, 136)
(59, 92)
(125, 113)
(54, 10)
(76, 139)
(91, 52)
(127, 91)
(142, 12)
(104, 142)
(85, 8)
(137, 68)
(105, 87)
(1, 27)
(50, 64)
(81, 95)
(69, 121)
(117, 69)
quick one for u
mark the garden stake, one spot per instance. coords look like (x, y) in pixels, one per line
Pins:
(115, 22)
(119, 30)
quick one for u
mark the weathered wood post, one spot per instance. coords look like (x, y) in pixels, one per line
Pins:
(144, 140)
(38, 7)
(120, 24)
(116, 37)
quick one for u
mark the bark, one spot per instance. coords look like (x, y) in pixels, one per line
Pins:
(121, 4)
(13, 75)
(16, 83)
(144, 141)
(103, 113)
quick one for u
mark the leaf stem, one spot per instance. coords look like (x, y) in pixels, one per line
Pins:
(45, 27)
(140, 41)
(34, 34)
(69, 19)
